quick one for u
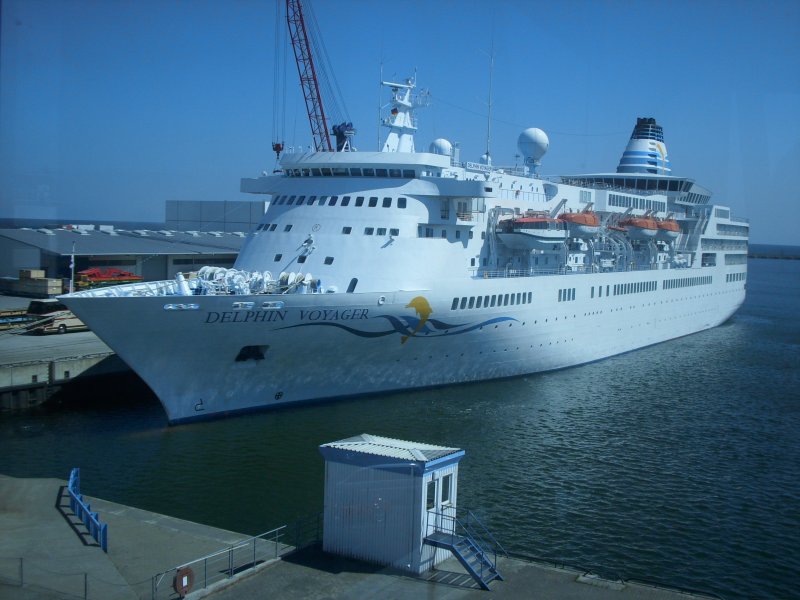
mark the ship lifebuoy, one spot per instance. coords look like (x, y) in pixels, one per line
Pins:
(183, 582)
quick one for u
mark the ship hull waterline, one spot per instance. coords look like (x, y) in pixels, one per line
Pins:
(217, 360)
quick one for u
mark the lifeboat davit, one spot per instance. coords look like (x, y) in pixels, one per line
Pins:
(582, 224)
(640, 228)
(533, 229)
(668, 230)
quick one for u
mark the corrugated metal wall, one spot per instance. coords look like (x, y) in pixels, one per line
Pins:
(371, 513)
(379, 514)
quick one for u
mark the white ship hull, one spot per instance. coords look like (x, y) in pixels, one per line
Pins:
(323, 346)
(418, 281)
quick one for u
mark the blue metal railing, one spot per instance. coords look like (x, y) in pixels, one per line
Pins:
(461, 524)
(98, 530)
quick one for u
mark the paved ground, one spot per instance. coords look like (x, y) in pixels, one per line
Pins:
(60, 560)
(18, 349)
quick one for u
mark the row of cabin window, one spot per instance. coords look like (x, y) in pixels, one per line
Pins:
(670, 284)
(345, 230)
(332, 200)
(566, 294)
(352, 172)
(301, 259)
(429, 233)
(491, 301)
(735, 277)
(632, 202)
(373, 231)
(635, 288)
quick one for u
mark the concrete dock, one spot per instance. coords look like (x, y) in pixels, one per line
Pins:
(32, 367)
(46, 554)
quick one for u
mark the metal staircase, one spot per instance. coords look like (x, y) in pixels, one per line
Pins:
(469, 541)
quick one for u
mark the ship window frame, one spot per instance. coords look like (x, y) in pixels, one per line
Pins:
(326, 171)
(380, 231)
(273, 227)
(347, 230)
(454, 305)
(328, 260)
(288, 228)
(394, 231)
(291, 200)
(494, 300)
(300, 200)
(333, 200)
(387, 202)
(401, 202)
(409, 174)
(301, 259)
(471, 303)
(315, 172)
(355, 171)
(478, 301)
(373, 201)
(278, 257)
(396, 173)
(369, 172)
(381, 173)
(463, 302)
(345, 201)
(369, 230)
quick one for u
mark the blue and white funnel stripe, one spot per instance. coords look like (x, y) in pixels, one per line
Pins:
(646, 151)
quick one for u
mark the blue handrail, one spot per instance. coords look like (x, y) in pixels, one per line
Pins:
(98, 530)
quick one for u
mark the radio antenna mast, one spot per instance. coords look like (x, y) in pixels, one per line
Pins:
(488, 155)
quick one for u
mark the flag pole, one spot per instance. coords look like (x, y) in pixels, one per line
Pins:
(72, 270)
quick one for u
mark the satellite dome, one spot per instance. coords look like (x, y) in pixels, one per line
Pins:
(441, 146)
(533, 144)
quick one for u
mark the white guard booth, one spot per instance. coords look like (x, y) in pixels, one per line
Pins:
(383, 496)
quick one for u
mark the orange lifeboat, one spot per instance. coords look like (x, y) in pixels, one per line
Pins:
(533, 229)
(640, 228)
(582, 224)
(668, 229)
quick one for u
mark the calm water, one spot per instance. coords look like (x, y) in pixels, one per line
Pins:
(678, 463)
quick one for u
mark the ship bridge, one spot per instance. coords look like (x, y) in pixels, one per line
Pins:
(679, 189)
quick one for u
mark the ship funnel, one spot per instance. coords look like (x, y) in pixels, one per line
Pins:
(646, 151)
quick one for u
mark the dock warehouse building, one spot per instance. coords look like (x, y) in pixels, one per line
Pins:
(152, 254)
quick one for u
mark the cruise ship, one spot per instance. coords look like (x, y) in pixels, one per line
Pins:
(373, 272)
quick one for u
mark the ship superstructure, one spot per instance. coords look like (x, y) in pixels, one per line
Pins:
(381, 271)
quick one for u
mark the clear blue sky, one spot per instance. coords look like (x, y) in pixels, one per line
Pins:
(108, 108)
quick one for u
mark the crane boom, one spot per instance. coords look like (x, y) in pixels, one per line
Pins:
(308, 76)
